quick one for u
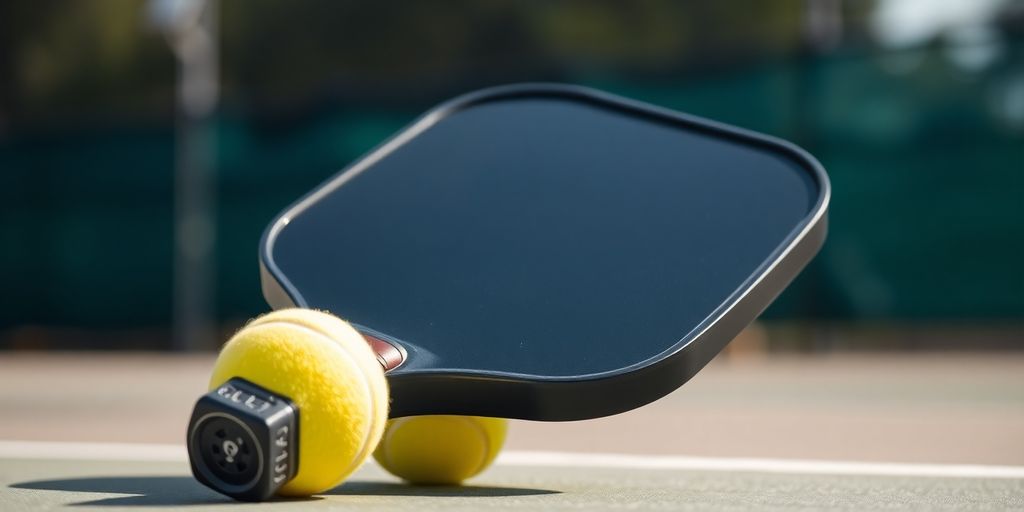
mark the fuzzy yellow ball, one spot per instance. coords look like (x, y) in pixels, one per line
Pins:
(440, 450)
(329, 372)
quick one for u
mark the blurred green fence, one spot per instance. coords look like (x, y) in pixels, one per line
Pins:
(927, 217)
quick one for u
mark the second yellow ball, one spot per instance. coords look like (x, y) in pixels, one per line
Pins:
(440, 450)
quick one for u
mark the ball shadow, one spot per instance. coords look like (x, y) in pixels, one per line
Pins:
(140, 491)
(370, 488)
(183, 491)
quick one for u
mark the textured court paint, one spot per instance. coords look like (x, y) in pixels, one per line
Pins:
(33, 450)
(117, 485)
(326, 368)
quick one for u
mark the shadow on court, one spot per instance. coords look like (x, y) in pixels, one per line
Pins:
(141, 491)
(178, 491)
(358, 488)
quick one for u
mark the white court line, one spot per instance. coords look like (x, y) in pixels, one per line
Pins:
(40, 450)
(176, 453)
(793, 466)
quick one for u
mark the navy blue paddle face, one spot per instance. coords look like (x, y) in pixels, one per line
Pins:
(548, 252)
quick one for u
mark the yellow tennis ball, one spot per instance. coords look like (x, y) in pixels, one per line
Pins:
(440, 450)
(329, 372)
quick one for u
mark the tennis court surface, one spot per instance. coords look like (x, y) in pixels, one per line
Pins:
(878, 432)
